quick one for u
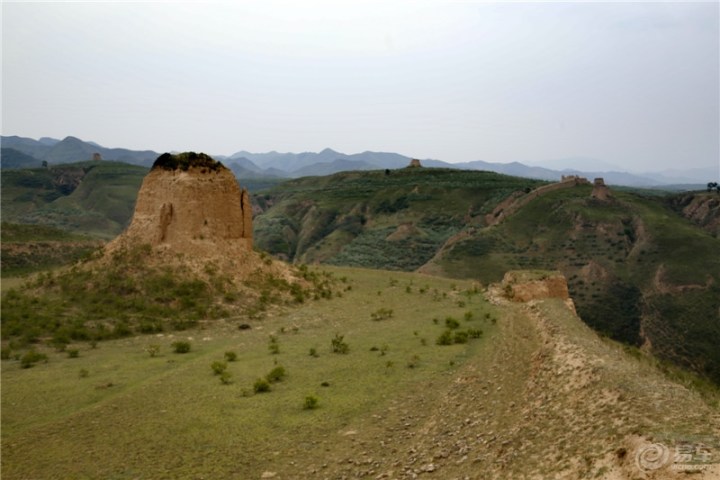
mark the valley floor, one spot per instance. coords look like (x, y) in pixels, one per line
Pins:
(538, 396)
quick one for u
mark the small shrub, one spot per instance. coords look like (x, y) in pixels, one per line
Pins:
(325, 384)
(451, 323)
(73, 353)
(445, 338)
(338, 345)
(276, 374)
(461, 336)
(230, 356)
(218, 367)
(5, 353)
(382, 314)
(261, 386)
(153, 350)
(313, 352)
(474, 332)
(83, 373)
(273, 345)
(225, 378)
(31, 357)
(244, 326)
(181, 346)
(468, 316)
(310, 403)
(413, 362)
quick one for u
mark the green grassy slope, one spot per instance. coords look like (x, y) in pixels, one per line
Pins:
(538, 396)
(168, 416)
(30, 248)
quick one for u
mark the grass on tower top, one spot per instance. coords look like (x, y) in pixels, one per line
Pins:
(183, 161)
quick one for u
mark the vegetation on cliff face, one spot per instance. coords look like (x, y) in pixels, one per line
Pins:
(184, 161)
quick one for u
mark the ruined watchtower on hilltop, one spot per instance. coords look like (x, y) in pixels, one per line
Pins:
(191, 204)
(600, 191)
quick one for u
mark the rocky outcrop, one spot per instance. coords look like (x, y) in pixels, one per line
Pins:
(703, 209)
(191, 204)
(523, 286)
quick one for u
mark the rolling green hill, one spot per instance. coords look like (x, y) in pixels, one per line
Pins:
(393, 219)
(638, 271)
(31, 248)
(95, 198)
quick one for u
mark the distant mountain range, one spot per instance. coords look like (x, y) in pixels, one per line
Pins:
(19, 152)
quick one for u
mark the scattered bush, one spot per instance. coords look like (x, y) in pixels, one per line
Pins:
(468, 316)
(225, 378)
(461, 336)
(5, 353)
(413, 362)
(31, 357)
(337, 345)
(218, 367)
(83, 373)
(73, 353)
(382, 314)
(273, 345)
(244, 326)
(261, 386)
(311, 403)
(451, 323)
(153, 350)
(445, 338)
(181, 346)
(230, 356)
(276, 374)
(474, 332)
(313, 352)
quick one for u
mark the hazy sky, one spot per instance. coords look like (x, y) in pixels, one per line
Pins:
(633, 84)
